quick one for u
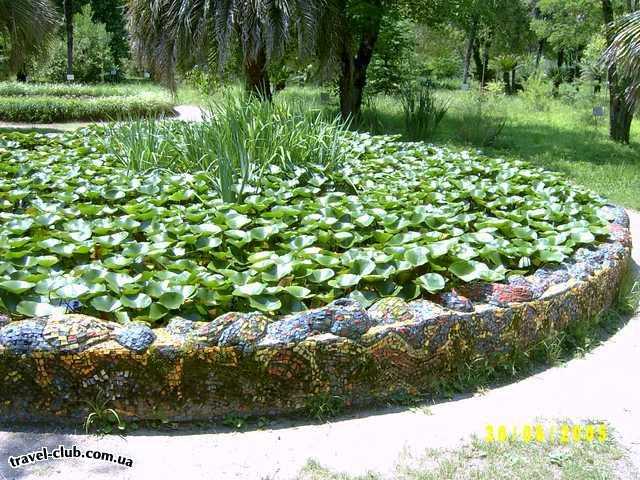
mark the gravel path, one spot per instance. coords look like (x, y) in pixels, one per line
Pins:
(605, 385)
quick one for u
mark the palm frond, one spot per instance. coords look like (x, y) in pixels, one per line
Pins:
(163, 31)
(623, 54)
(28, 24)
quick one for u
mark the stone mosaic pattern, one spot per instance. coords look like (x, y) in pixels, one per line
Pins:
(250, 364)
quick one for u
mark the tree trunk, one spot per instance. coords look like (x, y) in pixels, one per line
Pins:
(485, 63)
(346, 85)
(68, 18)
(620, 118)
(471, 40)
(539, 53)
(477, 60)
(353, 78)
(257, 76)
(558, 78)
(620, 112)
(560, 58)
(506, 79)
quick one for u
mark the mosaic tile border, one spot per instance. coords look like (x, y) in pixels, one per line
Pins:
(246, 364)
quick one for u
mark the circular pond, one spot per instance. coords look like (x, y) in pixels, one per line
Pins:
(360, 276)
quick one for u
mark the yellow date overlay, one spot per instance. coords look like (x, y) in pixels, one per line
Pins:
(562, 433)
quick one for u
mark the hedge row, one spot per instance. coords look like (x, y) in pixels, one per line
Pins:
(48, 109)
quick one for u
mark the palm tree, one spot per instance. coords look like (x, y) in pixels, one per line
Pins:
(167, 32)
(624, 52)
(27, 24)
(622, 58)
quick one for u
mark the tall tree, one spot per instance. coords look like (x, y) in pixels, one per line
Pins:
(111, 13)
(565, 28)
(622, 60)
(349, 32)
(27, 24)
(490, 26)
(68, 22)
(167, 32)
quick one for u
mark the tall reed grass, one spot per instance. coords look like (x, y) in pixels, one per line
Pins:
(239, 141)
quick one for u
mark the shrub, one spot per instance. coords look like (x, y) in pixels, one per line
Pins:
(593, 69)
(495, 89)
(45, 103)
(201, 78)
(568, 93)
(481, 123)
(389, 68)
(537, 92)
(45, 109)
(443, 67)
(16, 89)
(423, 112)
(92, 58)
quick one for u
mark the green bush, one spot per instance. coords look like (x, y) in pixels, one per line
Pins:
(443, 67)
(481, 122)
(48, 109)
(92, 58)
(537, 92)
(201, 78)
(423, 112)
(389, 68)
(568, 93)
(16, 89)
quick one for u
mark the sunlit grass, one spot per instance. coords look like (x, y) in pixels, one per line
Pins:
(481, 460)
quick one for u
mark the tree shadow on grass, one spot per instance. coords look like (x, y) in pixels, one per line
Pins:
(534, 139)
(530, 140)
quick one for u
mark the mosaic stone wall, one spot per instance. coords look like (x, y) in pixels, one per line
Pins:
(249, 364)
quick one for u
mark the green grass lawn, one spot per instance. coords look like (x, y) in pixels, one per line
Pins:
(480, 460)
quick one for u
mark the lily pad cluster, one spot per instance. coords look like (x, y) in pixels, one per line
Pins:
(77, 232)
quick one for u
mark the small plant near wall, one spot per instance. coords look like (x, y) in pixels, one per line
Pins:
(324, 406)
(102, 418)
